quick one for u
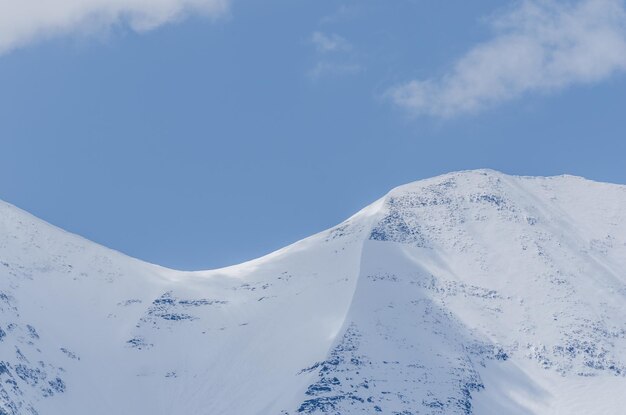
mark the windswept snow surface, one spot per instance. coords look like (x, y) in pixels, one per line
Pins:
(469, 293)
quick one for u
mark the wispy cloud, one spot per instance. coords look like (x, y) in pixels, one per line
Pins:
(329, 42)
(334, 56)
(26, 21)
(539, 46)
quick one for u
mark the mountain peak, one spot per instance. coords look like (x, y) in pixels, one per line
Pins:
(473, 292)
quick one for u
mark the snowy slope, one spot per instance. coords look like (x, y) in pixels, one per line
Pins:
(472, 292)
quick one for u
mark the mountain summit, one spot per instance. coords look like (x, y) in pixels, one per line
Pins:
(469, 293)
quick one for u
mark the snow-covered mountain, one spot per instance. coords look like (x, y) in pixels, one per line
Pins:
(469, 293)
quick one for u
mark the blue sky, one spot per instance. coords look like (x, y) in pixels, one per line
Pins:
(206, 132)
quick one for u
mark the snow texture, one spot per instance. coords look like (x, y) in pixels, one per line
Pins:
(469, 293)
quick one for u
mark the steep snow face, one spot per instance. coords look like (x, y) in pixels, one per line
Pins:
(473, 292)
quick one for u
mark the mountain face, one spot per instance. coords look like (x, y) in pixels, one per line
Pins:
(469, 293)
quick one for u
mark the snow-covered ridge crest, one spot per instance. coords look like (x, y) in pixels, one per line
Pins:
(471, 292)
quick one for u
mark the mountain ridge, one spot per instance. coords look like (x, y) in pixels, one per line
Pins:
(471, 292)
(486, 171)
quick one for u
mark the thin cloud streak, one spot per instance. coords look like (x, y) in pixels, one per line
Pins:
(27, 21)
(539, 46)
(329, 43)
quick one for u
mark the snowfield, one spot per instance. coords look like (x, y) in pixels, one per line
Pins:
(469, 293)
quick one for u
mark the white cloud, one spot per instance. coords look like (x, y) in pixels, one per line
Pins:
(26, 21)
(329, 43)
(539, 46)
